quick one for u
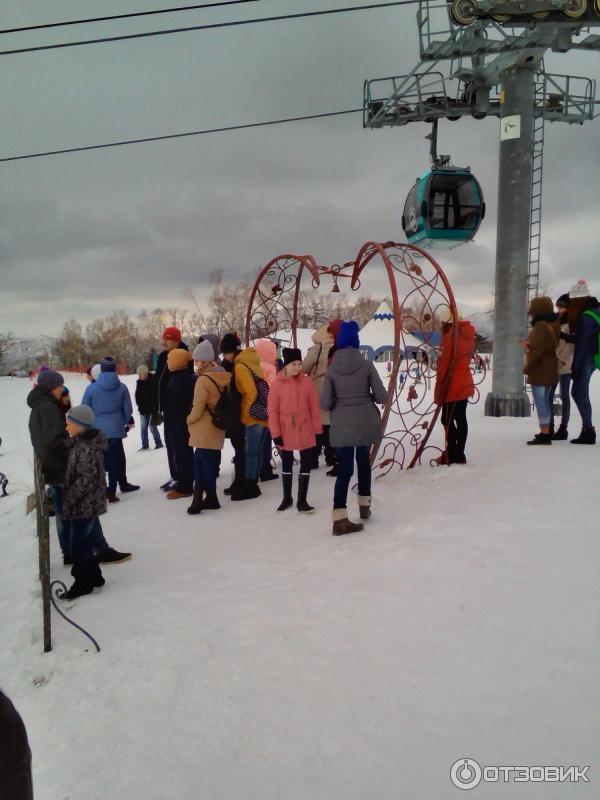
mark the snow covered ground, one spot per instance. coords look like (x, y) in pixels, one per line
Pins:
(249, 655)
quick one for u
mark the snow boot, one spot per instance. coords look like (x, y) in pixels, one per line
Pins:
(112, 556)
(587, 436)
(128, 487)
(78, 589)
(248, 490)
(333, 472)
(364, 506)
(561, 434)
(302, 504)
(211, 502)
(342, 525)
(197, 505)
(541, 438)
(268, 474)
(112, 497)
(288, 500)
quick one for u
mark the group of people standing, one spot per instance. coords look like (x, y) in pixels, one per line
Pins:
(324, 402)
(562, 352)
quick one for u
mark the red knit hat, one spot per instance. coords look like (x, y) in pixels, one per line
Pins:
(172, 333)
(334, 328)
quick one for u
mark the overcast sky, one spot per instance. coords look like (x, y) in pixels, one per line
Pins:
(129, 228)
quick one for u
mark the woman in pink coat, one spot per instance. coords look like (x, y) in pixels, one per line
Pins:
(295, 422)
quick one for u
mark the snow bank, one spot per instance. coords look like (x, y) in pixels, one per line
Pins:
(249, 655)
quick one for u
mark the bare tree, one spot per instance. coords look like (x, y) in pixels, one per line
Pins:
(71, 348)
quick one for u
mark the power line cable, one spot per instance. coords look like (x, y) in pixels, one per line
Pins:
(165, 137)
(129, 15)
(212, 26)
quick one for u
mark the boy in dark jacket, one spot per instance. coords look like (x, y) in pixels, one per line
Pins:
(146, 399)
(84, 497)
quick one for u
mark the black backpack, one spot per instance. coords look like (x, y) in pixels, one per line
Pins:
(227, 410)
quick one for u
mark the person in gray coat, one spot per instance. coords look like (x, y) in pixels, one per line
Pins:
(351, 389)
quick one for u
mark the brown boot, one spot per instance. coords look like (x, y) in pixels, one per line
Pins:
(174, 494)
(341, 523)
(112, 497)
(364, 506)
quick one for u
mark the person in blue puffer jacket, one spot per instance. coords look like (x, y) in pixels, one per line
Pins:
(584, 316)
(111, 403)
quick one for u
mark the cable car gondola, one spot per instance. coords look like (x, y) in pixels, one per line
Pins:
(445, 207)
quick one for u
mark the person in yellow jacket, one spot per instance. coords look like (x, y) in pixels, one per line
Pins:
(248, 377)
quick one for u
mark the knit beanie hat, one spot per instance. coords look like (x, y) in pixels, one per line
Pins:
(172, 333)
(142, 370)
(81, 415)
(95, 371)
(291, 354)
(108, 364)
(563, 301)
(580, 289)
(213, 339)
(334, 328)
(230, 343)
(203, 351)
(178, 359)
(348, 335)
(50, 379)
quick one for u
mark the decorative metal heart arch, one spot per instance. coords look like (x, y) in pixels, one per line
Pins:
(420, 291)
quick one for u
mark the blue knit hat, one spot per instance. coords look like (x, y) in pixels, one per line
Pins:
(50, 379)
(348, 335)
(108, 364)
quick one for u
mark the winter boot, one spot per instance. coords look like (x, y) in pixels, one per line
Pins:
(561, 434)
(158, 446)
(248, 490)
(78, 589)
(112, 556)
(587, 436)
(128, 487)
(443, 459)
(341, 523)
(196, 506)
(541, 438)
(177, 493)
(112, 497)
(302, 505)
(364, 506)
(288, 500)
(211, 502)
(333, 472)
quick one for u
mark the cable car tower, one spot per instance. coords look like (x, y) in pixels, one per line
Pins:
(495, 51)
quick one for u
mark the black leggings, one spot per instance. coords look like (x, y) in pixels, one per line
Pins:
(454, 420)
(306, 461)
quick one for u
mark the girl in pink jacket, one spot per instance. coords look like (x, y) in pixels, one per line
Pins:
(294, 421)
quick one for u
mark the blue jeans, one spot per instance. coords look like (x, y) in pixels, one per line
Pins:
(115, 463)
(564, 384)
(206, 468)
(145, 423)
(82, 553)
(255, 448)
(541, 398)
(345, 458)
(581, 393)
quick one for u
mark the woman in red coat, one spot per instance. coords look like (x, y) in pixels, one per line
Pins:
(294, 421)
(454, 385)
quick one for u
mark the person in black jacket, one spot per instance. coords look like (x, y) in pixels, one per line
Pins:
(51, 444)
(147, 402)
(15, 754)
(180, 398)
(171, 340)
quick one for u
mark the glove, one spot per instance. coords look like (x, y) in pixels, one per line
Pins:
(278, 441)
